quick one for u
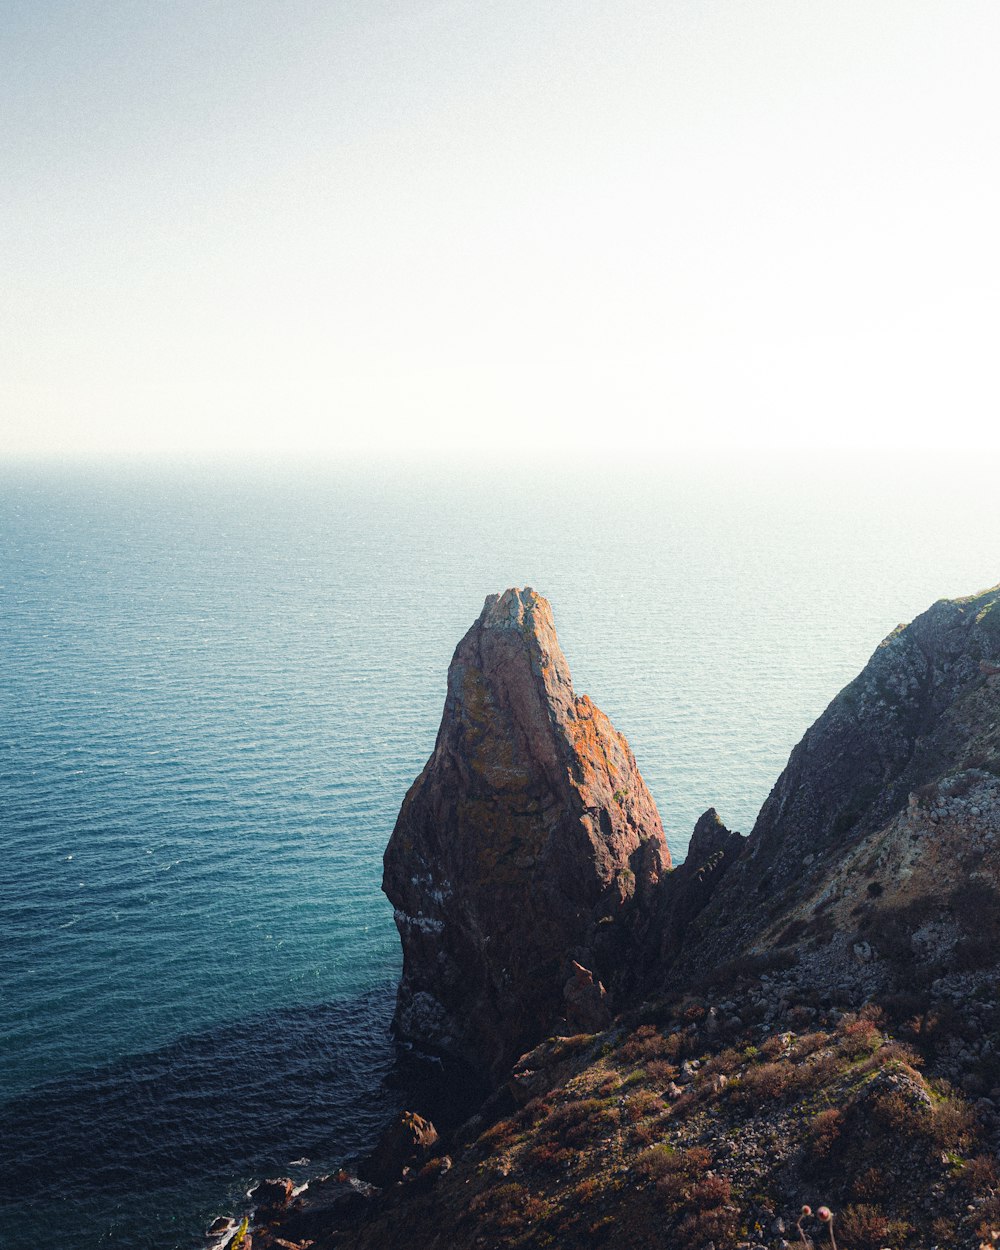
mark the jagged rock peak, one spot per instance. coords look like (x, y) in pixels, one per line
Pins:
(708, 838)
(524, 610)
(711, 853)
(921, 718)
(529, 840)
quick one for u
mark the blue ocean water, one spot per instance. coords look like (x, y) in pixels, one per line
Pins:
(215, 688)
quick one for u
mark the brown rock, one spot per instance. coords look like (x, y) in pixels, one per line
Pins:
(536, 1072)
(272, 1195)
(586, 1001)
(528, 839)
(407, 1143)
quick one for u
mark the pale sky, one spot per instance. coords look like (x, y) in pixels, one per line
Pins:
(605, 229)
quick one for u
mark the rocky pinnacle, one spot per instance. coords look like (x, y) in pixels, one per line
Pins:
(529, 841)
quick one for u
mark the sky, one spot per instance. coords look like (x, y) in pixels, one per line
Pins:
(566, 228)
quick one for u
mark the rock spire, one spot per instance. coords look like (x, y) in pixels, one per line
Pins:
(528, 841)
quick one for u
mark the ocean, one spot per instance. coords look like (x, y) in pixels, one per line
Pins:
(216, 685)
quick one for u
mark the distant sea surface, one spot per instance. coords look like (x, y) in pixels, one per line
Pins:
(215, 688)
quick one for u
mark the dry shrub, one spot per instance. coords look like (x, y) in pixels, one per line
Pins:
(661, 1071)
(726, 1062)
(859, 1037)
(586, 1189)
(679, 1168)
(499, 1135)
(867, 1227)
(673, 1045)
(871, 1183)
(579, 1121)
(551, 1155)
(932, 1028)
(710, 1218)
(776, 1047)
(899, 1052)
(599, 1232)
(647, 1131)
(647, 1042)
(683, 1170)
(824, 1129)
(901, 1116)
(944, 1231)
(687, 1102)
(655, 1162)
(698, 1158)
(820, 1069)
(710, 1190)
(874, 1012)
(641, 1104)
(989, 1215)
(571, 1045)
(535, 1111)
(980, 1173)
(902, 1057)
(953, 1122)
(533, 1211)
(509, 1208)
(808, 1044)
(766, 1081)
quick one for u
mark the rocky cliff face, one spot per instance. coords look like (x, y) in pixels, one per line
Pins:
(881, 802)
(803, 977)
(528, 841)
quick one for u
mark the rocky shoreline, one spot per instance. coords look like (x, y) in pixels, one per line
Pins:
(806, 1017)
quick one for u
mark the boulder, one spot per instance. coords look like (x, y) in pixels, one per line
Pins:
(406, 1144)
(272, 1195)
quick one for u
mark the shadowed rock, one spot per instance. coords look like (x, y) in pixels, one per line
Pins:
(921, 717)
(528, 840)
(406, 1143)
(712, 851)
(586, 1002)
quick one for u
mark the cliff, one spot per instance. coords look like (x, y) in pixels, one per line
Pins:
(809, 1015)
(887, 808)
(528, 842)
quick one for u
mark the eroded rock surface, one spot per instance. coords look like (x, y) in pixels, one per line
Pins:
(529, 840)
(887, 800)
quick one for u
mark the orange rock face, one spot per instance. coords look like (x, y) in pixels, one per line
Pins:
(529, 840)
